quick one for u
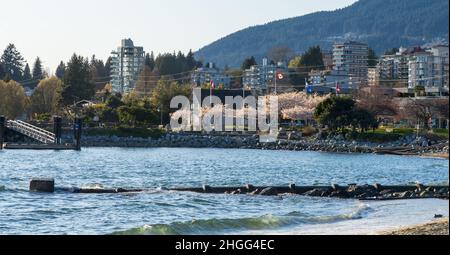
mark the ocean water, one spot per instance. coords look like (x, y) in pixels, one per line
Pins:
(164, 212)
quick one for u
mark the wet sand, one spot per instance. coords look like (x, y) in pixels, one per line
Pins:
(437, 227)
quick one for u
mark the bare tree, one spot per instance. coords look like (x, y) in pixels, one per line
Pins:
(420, 110)
(440, 107)
(280, 54)
(374, 100)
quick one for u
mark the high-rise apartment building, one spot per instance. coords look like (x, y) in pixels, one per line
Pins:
(352, 57)
(429, 69)
(127, 64)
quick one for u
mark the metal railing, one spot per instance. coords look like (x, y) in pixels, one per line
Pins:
(31, 131)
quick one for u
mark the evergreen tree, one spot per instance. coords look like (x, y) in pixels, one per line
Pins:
(2, 71)
(166, 64)
(372, 58)
(191, 63)
(38, 74)
(150, 61)
(98, 71)
(249, 62)
(108, 68)
(391, 51)
(60, 70)
(301, 66)
(27, 73)
(77, 81)
(312, 58)
(12, 62)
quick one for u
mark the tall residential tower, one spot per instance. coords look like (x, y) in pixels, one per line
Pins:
(127, 64)
(352, 57)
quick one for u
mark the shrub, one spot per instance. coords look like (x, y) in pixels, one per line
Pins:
(309, 131)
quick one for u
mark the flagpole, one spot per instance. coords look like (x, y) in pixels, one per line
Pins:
(275, 79)
(276, 74)
(336, 88)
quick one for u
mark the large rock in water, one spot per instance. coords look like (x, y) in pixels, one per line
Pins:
(42, 185)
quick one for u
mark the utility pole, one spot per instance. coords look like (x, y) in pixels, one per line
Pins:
(161, 114)
(2, 131)
(57, 128)
(77, 129)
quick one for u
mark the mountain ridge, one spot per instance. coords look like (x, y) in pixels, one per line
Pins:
(383, 24)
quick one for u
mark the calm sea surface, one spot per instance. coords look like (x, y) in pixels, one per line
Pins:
(163, 212)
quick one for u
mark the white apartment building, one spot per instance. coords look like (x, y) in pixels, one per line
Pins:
(205, 75)
(430, 69)
(127, 64)
(261, 77)
(352, 57)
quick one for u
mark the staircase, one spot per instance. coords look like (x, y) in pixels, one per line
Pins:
(31, 131)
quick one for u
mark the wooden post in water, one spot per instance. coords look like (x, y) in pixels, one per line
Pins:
(77, 128)
(2, 130)
(57, 128)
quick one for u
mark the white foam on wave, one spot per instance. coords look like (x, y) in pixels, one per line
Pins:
(385, 216)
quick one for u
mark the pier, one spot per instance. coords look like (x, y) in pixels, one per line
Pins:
(45, 140)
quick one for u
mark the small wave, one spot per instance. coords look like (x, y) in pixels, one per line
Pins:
(220, 226)
(2, 188)
(92, 186)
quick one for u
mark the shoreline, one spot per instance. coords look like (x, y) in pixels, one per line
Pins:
(435, 155)
(425, 155)
(435, 227)
(412, 146)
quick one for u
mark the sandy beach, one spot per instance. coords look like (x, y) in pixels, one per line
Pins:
(436, 155)
(437, 227)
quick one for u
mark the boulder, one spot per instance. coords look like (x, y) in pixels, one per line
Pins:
(42, 185)
(314, 193)
(206, 188)
(420, 187)
(377, 186)
(430, 189)
(325, 193)
(236, 192)
(443, 191)
(292, 187)
(426, 194)
(255, 192)
(386, 192)
(340, 194)
(406, 194)
(269, 192)
(335, 187)
(250, 187)
(362, 196)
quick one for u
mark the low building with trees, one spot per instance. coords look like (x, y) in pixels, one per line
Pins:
(211, 73)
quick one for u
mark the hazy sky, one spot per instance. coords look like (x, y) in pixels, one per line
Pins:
(55, 29)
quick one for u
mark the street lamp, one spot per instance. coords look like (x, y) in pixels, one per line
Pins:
(161, 114)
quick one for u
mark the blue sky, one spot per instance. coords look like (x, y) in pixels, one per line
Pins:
(55, 29)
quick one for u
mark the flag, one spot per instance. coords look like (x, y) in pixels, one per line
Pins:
(309, 88)
(213, 86)
(280, 76)
(338, 89)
